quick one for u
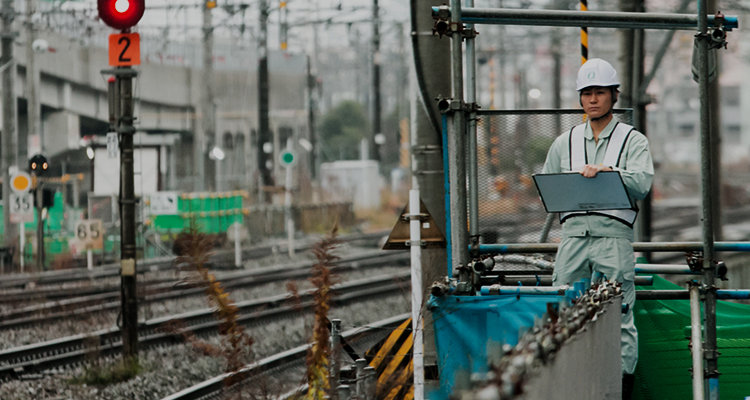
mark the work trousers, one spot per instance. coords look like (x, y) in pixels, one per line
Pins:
(582, 257)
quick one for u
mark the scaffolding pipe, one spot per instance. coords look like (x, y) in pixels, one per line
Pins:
(547, 227)
(724, 294)
(591, 19)
(696, 342)
(471, 99)
(457, 153)
(670, 269)
(546, 280)
(416, 293)
(497, 290)
(637, 246)
(709, 272)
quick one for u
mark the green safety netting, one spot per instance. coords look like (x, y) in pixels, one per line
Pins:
(664, 356)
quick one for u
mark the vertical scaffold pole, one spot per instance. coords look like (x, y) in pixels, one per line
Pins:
(471, 99)
(415, 234)
(695, 340)
(457, 151)
(709, 274)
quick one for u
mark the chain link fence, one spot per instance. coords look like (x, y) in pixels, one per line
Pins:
(512, 146)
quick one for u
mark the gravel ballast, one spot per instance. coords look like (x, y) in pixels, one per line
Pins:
(174, 368)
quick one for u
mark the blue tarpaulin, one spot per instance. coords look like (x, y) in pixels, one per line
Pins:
(466, 327)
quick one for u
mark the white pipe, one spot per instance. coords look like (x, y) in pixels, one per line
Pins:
(90, 259)
(288, 202)
(416, 294)
(237, 245)
(695, 327)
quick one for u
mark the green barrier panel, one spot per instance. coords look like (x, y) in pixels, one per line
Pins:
(663, 354)
(212, 212)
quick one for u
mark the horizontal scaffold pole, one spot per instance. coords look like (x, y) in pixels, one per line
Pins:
(500, 290)
(590, 19)
(669, 269)
(726, 294)
(519, 248)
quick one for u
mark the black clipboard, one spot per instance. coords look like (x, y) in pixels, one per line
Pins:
(571, 191)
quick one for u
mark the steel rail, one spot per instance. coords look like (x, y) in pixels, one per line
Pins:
(577, 19)
(220, 259)
(161, 331)
(217, 384)
(93, 304)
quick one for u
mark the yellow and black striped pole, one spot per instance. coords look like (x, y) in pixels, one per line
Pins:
(584, 35)
(584, 41)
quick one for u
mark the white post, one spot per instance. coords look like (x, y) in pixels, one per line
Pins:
(90, 260)
(288, 201)
(23, 242)
(416, 293)
(237, 247)
(695, 326)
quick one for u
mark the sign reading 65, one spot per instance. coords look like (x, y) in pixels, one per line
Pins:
(89, 233)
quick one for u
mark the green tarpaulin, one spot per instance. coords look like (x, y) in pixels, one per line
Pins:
(664, 355)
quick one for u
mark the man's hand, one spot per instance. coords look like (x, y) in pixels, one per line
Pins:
(590, 170)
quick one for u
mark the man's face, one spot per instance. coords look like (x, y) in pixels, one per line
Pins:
(596, 101)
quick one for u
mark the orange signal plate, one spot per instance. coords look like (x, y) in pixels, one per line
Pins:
(20, 182)
(124, 49)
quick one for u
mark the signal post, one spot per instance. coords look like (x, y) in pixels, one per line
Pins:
(124, 52)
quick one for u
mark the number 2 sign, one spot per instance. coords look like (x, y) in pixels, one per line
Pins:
(124, 49)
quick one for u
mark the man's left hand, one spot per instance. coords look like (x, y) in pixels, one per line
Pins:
(590, 170)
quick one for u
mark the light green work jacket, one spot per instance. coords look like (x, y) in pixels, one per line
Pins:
(635, 167)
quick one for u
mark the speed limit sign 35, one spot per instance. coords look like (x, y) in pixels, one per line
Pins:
(21, 207)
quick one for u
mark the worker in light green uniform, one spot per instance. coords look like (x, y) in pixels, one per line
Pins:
(601, 241)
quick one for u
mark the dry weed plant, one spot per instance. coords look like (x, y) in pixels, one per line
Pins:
(322, 279)
(194, 249)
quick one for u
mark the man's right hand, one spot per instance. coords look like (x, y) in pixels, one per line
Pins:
(590, 170)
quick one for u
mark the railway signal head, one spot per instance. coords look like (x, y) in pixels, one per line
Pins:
(121, 14)
(38, 165)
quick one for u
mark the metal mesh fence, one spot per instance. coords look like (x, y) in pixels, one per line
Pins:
(511, 146)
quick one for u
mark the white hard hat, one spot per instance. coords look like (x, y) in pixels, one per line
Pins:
(596, 72)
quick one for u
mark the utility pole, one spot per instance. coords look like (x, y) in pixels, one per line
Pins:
(432, 72)
(39, 194)
(311, 84)
(120, 96)
(375, 88)
(129, 304)
(9, 131)
(207, 130)
(32, 78)
(32, 110)
(264, 131)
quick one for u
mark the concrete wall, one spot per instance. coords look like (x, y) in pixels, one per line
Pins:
(587, 367)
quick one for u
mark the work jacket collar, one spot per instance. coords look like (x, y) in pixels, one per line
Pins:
(589, 134)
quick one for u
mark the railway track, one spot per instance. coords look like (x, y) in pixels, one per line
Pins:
(215, 388)
(222, 259)
(72, 350)
(110, 301)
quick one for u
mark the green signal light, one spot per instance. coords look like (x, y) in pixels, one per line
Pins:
(288, 158)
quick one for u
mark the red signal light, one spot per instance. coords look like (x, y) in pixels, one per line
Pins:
(121, 14)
